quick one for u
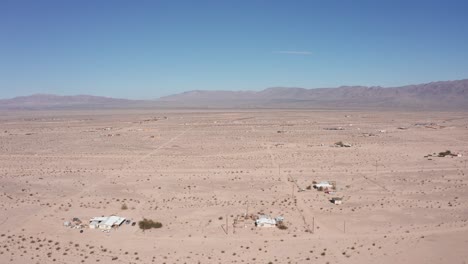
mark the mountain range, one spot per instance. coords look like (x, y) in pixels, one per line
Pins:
(444, 95)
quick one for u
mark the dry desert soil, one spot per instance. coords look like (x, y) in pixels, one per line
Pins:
(194, 171)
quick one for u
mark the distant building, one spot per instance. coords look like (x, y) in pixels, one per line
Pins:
(337, 200)
(265, 221)
(105, 222)
(323, 184)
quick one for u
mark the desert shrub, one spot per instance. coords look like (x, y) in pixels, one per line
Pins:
(309, 187)
(445, 153)
(148, 224)
(124, 207)
(281, 226)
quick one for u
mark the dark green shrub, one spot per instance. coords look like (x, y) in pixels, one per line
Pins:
(281, 226)
(148, 224)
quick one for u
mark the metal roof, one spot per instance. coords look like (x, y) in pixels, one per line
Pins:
(114, 220)
(99, 218)
(264, 219)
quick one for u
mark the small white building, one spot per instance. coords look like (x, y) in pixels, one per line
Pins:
(337, 200)
(105, 222)
(323, 184)
(111, 222)
(265, 221)
(95, 221)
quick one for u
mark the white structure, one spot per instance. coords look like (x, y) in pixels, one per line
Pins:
(323, 184)
(95, 221)
(105, 222)
(111, 222)
(94, 224)
(265, 221)
(337, 200)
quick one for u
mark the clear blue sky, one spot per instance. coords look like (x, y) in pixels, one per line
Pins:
(146, 49)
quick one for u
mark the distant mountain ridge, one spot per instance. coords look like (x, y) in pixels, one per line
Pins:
(41, 101)
(444, 95)
(440, 95)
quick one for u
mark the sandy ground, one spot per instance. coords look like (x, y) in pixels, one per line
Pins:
(192, 170)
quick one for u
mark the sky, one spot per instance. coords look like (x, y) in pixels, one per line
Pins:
(147, 49)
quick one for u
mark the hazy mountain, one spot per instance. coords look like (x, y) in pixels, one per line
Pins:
(447, 95)
(39, 101)
(437, 95)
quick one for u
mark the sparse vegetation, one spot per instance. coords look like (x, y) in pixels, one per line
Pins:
(446, 153)
(148, 224)
(281, 226)
(342, 144)
(339, 144)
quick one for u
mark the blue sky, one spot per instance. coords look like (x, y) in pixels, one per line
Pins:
(147, 49)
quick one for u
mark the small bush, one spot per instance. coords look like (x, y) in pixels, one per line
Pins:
(124, 207)
(148, 224)
(446, 153)
(282, 226)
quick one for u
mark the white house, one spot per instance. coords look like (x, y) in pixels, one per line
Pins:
(265, 221)
(95, 221)
(94, 224)
(323, 184)
(111, 222)
(105, 222)
(337, 200)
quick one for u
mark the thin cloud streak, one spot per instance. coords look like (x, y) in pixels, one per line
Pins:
(294, 52)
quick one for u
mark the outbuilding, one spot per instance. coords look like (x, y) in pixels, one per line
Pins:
(265, 221)
(337, 200)
(112, 221)
(323, 184)
(105, 222)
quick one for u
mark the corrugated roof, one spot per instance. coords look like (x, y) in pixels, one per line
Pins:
(99, 219)
(114, 220)
(264, 219)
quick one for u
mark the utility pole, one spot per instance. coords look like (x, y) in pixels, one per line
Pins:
(247, 210)
(234, 226)
(313, 225)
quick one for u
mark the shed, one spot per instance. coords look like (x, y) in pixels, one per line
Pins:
(337, 200)
(111, 222)
(323, 184)
(265, 221)
(94, 224)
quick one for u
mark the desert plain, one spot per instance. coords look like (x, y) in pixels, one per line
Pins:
(196, 171)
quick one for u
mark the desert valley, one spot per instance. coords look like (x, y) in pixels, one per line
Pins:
(207, 174)
(243, 132)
